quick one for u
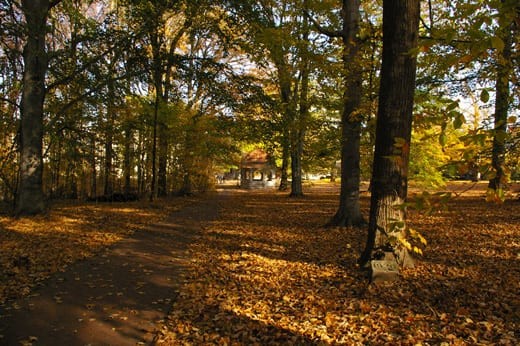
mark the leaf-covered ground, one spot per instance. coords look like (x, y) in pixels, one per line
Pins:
(31, 249)
(268, 273)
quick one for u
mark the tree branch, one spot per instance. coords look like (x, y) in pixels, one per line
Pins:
(321, 29)
(440, 39)
(13, 103)
(53, 3)
(424, 24)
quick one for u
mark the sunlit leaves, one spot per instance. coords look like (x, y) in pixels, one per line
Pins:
(34, 248)
(269, 277)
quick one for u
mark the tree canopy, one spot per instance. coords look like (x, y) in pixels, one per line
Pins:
(158, 97)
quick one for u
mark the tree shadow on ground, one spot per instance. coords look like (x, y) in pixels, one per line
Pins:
(117, 297)
(465, 285)
(217, 326)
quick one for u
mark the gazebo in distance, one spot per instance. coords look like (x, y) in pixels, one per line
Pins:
(257, 170)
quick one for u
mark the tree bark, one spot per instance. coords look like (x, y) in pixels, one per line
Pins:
(162, 188)
(284, 178)
(288, 116)
(109, 181)
(30, 198)
(300, 117)
(153, 189)
(127, 160)
(188, 160)
(393, 130)
(349, 212)
(504, 71)
(93, 165)
(296, 166)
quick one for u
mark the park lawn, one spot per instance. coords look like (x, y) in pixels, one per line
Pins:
(267, 272)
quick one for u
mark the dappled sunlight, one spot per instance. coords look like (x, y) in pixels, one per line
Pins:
(32, 248)
(267, 272)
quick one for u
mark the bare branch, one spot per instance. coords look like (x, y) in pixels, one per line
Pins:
(424, 24)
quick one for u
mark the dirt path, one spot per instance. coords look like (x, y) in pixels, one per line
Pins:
(115, 298)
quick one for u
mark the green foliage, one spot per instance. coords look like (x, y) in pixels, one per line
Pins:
(427, 157)
(428, 203)
(218, 63)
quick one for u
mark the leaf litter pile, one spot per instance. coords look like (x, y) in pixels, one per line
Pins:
(268, 273)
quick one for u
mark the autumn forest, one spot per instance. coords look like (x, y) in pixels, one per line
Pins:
(382, 139)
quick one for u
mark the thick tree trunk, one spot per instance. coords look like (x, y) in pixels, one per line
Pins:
(296, 167)
(393, 130)
(30, 198)
(349, 212)
(504, 71)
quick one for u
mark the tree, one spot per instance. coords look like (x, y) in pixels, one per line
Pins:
(507, 13)
(349, 212)
(30, 198)
(11, 69)
(393, 130)
(283, 35)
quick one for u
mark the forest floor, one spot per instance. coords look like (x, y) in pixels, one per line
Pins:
(267, 272)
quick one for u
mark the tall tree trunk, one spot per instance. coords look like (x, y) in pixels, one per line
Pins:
(30, 198)
(109, 184)
(93, 165)
(56, 174)
(153, 190)
(188, 160)
(141, 165)
(288, 120)
(157, 82)
(109, 151)
(393, 129)
(127, 161)
(284, 178)
(162, 188)
(504, 71)
(296, 165)
(349, 212)
(301, 117)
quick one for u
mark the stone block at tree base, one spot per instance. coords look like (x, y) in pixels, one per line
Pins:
(384, 270)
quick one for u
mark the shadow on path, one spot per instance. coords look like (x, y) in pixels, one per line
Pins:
(116, 297)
